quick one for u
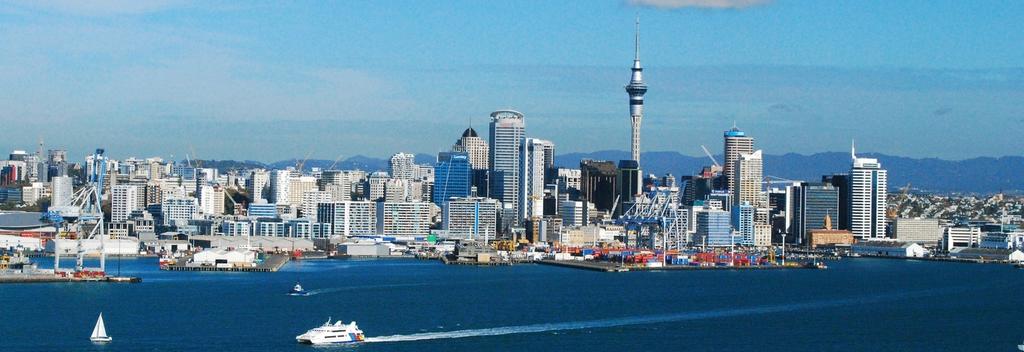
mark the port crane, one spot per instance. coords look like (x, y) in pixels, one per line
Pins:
(84, 217)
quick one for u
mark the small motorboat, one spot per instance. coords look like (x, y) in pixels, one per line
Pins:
(99, 332)
(297, 290)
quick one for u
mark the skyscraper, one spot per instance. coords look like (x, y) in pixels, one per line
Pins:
(736, 142)
(748, 176)
(475, 147)
(452, 177)
(868, 191)
(636, 89)
(531, 175)
(402, 165)
(506, 135)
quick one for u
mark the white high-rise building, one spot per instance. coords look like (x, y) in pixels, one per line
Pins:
(401, 166)
(506, 135)
(211, 200)
(748, 177)
(178, 211)
(475, 147)
(471, 218)
(280, 184)
(123, 200)
(868, 192)
(349, 218)
(531, 177)
(61, 191)
(257, 185)
(404, 218)
(311, 200)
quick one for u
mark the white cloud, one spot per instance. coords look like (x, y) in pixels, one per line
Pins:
(713, 4)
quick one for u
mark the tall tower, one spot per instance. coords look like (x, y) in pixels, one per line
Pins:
(636, 89)
(868, 192)
(736, 142)
(506, 131)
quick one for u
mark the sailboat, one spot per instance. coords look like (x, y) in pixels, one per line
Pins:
(99, 333)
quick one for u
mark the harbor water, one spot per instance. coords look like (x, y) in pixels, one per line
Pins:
(417, 305)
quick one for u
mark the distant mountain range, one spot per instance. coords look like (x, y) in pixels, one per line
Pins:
(983, 175)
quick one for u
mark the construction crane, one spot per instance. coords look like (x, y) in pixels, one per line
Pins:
(335, 163)
(708, 153)
(300, 164)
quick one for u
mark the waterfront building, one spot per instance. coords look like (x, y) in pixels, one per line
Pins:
(507, 130)
(924, 231)
(474, 147)
(61, 190)
(713, 229)
(531, 177)
(961, 236)
(889, 248)
(1003, 240)
(868, 202)
(748, 178)
(453, 177)
(471, 218)
(636, 90)
(349, 218)
(401, 166)
(987, 254)
(828, 237)
(812, 203)
(736, 143)
(123, 200)
(403, 218)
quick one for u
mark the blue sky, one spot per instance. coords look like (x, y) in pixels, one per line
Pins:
(269, 80)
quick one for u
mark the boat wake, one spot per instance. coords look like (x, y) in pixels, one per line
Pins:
(650, 319)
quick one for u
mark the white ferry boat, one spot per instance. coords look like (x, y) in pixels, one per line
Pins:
(328, 333)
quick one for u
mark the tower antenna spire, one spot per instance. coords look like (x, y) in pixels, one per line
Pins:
(636, 40)
(853, 149)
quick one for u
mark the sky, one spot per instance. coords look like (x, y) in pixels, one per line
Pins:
(274, 80)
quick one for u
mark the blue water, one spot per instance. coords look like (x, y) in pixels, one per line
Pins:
(403, 305)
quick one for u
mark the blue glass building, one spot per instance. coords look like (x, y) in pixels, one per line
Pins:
(452, 177)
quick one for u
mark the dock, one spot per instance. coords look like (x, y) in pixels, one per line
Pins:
(25, 279)
(271, 263)
(615, 267)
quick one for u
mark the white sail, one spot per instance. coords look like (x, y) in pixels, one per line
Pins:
(99, 332)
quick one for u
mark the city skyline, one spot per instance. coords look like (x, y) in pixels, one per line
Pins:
(170, 76)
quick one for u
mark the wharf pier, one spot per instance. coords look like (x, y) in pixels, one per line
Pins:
(271, 263)
(25, 279)
(615, 267)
